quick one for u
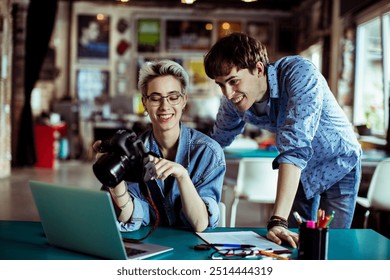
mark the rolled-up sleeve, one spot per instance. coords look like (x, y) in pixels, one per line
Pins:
(297, 157)
(138, 218)
(213, 211)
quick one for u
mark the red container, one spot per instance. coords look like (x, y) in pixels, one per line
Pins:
(47, 143)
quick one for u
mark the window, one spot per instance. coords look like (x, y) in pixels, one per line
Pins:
(372, 80)
(314, 54)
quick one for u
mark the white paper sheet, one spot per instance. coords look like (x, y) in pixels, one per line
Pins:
(240, 237)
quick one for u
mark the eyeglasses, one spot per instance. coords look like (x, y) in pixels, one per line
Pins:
(156, 99)
(232, 254)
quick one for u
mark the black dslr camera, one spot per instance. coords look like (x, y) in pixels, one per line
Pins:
(125, 159)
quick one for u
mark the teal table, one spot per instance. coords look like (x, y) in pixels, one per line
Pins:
(26, 241)
(244, 153)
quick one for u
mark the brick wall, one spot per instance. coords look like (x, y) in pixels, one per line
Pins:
(5, 87)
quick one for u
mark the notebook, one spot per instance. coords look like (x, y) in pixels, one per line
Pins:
(84, 220)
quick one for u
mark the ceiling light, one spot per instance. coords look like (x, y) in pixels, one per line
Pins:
(188, 1)
(249, 1)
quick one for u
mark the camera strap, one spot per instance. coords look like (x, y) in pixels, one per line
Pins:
(158, 199)
(144, 188)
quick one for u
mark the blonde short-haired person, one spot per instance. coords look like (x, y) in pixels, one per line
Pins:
(190, 165)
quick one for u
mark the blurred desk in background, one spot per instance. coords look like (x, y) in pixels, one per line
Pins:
(372, 157)
(233, 157)
(239, 153)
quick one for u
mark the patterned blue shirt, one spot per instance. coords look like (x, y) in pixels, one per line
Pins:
(205, 162)
(312, 131)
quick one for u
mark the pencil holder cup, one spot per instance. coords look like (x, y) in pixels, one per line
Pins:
(313, 243)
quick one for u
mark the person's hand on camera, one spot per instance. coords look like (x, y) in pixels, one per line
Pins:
(166, 168)
(97, 148)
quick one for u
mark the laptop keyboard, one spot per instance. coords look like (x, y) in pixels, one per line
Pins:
(133, 252)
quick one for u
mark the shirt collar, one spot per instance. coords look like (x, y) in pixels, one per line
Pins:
(272, 76)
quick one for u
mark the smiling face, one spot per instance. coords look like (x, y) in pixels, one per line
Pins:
(242, 87)
(163, 115)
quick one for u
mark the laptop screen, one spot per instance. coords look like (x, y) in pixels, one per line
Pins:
(83, 220)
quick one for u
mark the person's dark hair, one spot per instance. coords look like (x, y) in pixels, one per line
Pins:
(235, 50)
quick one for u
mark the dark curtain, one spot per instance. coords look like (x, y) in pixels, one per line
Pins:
(41, 16)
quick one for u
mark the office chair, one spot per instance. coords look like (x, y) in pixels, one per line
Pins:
(256, 182)
(222, 215)
(378, 196)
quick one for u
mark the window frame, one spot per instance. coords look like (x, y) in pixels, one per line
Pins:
(383, 13)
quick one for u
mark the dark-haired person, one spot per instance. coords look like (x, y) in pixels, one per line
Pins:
(190, 165)
(319, 163)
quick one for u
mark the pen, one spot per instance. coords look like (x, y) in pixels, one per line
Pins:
(319, 217)
(241, 246)
(297, 217)
(330, 219)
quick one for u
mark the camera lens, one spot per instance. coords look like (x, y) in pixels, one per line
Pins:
(110, 170)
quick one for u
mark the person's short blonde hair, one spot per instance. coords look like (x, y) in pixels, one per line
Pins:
(154, 69)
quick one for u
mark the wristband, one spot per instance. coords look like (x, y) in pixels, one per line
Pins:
(274, 217)
(275, 223)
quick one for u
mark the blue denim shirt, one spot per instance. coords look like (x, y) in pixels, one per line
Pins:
(312, 131)
(205, 162)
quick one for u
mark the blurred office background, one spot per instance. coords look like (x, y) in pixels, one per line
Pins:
(69, 71)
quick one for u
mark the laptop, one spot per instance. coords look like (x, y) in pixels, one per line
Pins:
(84, 220)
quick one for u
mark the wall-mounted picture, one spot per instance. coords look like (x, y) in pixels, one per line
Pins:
(187, 35)
(92, 83)
(93, 37)
(198, 78)
(148, 35)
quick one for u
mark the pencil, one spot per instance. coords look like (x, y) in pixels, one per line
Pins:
(272, 255)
